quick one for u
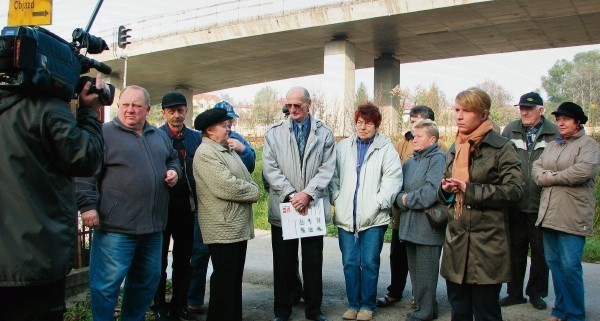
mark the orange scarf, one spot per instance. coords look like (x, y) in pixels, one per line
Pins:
(464, 146)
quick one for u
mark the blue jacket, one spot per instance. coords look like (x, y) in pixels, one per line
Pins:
(129, 191)
(191, 140)
(248, 156)
(422, 174)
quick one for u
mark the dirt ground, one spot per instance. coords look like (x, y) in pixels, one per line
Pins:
(258, 289)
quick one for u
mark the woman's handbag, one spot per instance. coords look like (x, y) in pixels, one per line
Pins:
(437, 215)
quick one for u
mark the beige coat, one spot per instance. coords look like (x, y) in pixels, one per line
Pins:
(567, 174)
(226, 192)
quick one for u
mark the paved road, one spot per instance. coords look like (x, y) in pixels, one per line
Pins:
(258, 288)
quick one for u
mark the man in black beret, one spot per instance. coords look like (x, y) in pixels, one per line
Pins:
(181, 220)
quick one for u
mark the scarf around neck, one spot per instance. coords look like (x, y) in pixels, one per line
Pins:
(464, 146)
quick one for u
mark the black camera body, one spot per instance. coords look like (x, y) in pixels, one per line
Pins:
(34, 59)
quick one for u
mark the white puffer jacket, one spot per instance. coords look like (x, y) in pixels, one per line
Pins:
(380, 182)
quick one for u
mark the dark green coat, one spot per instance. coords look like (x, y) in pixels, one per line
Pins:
(476, 248)
(515, 131)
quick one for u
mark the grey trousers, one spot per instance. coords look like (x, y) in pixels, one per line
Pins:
(424, 268)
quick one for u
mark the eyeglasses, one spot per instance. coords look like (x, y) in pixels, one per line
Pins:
(290, 106)
(360, 123)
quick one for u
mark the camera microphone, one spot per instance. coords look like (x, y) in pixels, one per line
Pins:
(100, 66)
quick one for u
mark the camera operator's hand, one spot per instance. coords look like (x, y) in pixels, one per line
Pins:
(90, 218)
(91, 100)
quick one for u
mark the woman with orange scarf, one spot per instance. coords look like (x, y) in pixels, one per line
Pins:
(483, 178)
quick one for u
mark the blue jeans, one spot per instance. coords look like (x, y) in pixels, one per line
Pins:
(116, 256)
(563, 255)
(199, 262)
(360, 257)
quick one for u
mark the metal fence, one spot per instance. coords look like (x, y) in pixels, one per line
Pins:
(84, 242)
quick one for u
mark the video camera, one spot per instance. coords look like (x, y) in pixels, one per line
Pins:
(35, 59)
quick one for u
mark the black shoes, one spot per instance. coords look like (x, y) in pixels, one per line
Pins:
(537, 302)
(386, 301)
(318, 317)
(510, 300)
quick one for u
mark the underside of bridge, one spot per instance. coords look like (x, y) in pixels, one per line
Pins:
(292, 45)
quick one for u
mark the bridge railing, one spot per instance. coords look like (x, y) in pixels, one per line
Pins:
(222, 13)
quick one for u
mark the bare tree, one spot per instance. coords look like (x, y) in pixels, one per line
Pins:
(502, 110)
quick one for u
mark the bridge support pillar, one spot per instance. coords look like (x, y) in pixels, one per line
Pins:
(387, 76)
(338, 86)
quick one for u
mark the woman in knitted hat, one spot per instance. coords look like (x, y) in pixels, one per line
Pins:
(483, 178)
(566, 172)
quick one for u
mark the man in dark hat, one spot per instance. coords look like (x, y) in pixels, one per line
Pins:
(236, 141)
(182, 209)
(529, 135)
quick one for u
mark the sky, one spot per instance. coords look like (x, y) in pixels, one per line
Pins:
(517, 72)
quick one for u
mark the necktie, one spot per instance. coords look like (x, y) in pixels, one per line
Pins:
(301, 141)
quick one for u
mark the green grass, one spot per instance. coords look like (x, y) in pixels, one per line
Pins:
(591, 252)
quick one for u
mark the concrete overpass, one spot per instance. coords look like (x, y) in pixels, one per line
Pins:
(335, 39)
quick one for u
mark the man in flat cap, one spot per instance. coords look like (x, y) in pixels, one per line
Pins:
(530, 135)
(182, 209)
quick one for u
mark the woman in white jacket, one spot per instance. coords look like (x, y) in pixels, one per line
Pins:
(367, 177)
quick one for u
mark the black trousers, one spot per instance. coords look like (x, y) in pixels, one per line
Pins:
(285, 262)
(33, 303)
(480, 301)
(398, 266)
(524, 235)
(180, 226)
(228, 261)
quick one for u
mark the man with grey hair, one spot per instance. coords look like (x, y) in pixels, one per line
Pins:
(530, 134)
(298, 164)
(127, 203)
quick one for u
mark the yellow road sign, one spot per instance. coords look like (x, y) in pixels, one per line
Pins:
(29, 12)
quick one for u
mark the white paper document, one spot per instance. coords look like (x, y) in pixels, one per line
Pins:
(296, 226)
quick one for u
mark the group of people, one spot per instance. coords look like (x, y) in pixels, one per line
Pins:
(139, 186)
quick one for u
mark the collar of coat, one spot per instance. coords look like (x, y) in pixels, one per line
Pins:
(379, 140)
(429, 150)
(492, 139)
(548, 128)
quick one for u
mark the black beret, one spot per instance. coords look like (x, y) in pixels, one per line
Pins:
(173, 100)
(572, 110)
(210, 117)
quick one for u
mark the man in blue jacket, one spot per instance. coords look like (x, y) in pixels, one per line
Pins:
(182, 209)
(127, 201)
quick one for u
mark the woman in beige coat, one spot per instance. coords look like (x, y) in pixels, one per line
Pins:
(482, 179)
(226, 192)
(566, 171)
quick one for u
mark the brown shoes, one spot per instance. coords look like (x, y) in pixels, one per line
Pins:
(350, 314)
(364, 315)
